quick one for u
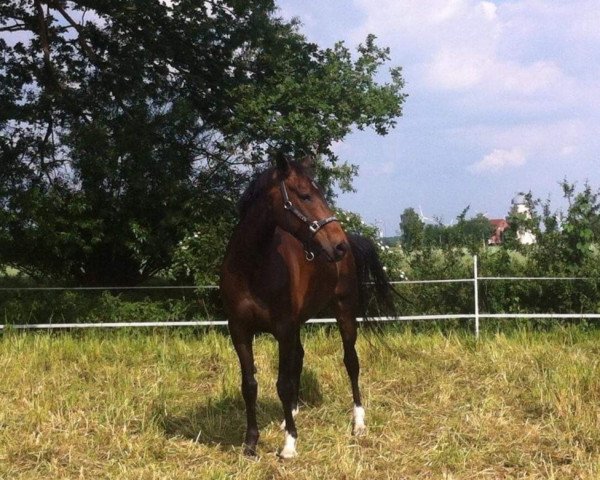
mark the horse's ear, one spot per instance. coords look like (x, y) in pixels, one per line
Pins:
(308, 164)
(282, 162)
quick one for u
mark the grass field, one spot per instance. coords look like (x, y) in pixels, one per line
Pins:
(167, 405)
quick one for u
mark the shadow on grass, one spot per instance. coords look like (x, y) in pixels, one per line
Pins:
(222, 421)
(218, 422)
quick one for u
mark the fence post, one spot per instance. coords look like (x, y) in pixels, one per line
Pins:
(476, 294)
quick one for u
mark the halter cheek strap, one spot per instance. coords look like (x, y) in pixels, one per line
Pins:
(313, 226)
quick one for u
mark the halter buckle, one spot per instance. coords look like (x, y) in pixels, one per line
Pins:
(314, 227)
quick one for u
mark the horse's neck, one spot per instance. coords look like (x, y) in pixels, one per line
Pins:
(252, 236)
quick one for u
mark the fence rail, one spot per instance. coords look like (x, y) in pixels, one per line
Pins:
(476, 315)
(155, 287)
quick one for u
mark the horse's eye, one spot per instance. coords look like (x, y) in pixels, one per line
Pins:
(305, 197)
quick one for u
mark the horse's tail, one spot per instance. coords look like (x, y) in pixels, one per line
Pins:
(375, 292)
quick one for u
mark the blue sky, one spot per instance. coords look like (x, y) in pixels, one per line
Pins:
(504, 97)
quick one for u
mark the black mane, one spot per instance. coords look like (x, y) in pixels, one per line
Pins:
(259, 181)
(253, 191)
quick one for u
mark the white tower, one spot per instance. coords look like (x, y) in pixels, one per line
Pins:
(519, 206)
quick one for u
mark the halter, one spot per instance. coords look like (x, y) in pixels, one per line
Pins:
(313, 226)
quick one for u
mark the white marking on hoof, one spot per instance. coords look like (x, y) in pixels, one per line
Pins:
(294, 413)
(358, 417)
(289, 447)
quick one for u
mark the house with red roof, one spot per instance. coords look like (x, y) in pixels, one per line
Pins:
(500, 225)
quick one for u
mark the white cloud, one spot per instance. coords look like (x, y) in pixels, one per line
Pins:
(493, 54)
(494, 83)
(456, 70)
(543, 139)
(499, 160)
(420, 28)
(568, 150)
(489, 10)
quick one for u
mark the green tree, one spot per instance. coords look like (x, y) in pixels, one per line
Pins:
(580, 221)
(472, 233)
(126, 126)
(435, 235)
(411, 230)
(564, 240)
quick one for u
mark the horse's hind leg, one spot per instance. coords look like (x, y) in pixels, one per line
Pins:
(242, 342)
(288, 365)
(347, 325)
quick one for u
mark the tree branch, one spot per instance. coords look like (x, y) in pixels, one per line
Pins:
(42, 150)
(43, 33)
(17, 27)
(80, 38)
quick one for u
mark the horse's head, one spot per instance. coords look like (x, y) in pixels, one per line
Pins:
(299, 207)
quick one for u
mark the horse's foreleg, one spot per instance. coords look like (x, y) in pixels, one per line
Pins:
(243, 346)
(347, 325)
(288, 365)
(298, 364)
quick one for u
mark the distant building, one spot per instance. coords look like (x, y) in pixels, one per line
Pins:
(519, 206)
(499, 225)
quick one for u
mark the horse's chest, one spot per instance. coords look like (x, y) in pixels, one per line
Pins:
(301, 290)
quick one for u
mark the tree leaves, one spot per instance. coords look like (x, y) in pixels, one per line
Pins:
(125, 123)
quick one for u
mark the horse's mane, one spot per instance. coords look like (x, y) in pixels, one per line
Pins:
(258, 182)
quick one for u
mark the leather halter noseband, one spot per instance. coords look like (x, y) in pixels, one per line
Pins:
(313, 226)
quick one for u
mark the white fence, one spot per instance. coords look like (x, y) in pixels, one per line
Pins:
(475, 315)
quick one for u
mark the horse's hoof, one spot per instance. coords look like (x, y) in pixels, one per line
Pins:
(358, 429)
(286, 453)
(289, 447)
(250, 450)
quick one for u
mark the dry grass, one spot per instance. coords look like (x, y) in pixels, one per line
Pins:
(166, 405)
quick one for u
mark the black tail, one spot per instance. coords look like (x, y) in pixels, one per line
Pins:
(376, 293)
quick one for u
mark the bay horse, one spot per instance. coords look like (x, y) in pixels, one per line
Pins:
(287, 260)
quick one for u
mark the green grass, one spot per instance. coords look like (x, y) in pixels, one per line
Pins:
(167, 405)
